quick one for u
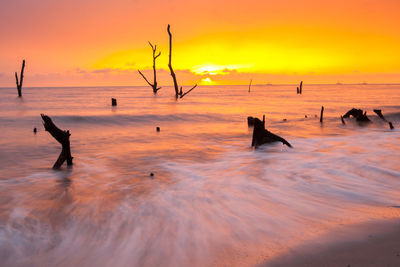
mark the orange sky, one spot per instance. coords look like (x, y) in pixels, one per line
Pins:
(99, 42)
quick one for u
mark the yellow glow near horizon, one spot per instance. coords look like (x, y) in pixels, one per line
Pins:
(357, 38)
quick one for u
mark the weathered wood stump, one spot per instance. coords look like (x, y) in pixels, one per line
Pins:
(262, 136)
(113, 102)
(62, 137)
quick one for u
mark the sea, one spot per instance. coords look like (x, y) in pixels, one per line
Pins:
(212, 200)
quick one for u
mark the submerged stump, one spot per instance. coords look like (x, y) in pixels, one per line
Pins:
(62, 137)
(262, 136)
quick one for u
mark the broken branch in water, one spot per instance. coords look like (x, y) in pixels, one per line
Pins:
(62, 137)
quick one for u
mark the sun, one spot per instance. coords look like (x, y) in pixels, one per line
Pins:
(207, 81)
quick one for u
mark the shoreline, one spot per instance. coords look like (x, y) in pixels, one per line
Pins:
(373, 243)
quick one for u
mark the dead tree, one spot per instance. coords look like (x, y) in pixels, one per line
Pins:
(154, 85)
(262, 136)
(178, 93)
(62, 137)
(21, 79)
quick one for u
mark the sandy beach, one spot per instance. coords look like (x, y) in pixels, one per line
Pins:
(375, 243)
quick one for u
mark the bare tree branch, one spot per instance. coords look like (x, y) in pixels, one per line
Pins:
(182, 95)
(154, 85)
(145, 78)
(178, 93)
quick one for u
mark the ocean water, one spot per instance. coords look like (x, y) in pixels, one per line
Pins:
(213, 200)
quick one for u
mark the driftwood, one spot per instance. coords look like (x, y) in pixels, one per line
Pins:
(62, 137)
(262, 136)
(21, 79)
(154, 84)
(380, 115)
(341, 117)
(178, 93)
(358, 114)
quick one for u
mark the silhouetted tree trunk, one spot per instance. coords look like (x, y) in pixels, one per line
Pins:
(154, 85)
(21, 79)
(62, 137)
(178, 93)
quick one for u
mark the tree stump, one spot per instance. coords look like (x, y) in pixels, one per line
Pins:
(262, 136)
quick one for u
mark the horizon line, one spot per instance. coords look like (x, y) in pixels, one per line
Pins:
(258, 84)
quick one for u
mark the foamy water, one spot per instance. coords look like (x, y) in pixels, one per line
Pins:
(213, 200)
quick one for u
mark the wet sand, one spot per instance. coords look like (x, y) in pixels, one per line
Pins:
(374, 243)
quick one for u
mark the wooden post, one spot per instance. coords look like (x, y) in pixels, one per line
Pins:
(21, 79)
(301, 87)
(62, 137)
(251, 80)
(113, 102)
(154, 85)
(178, 93)
(321, 118)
